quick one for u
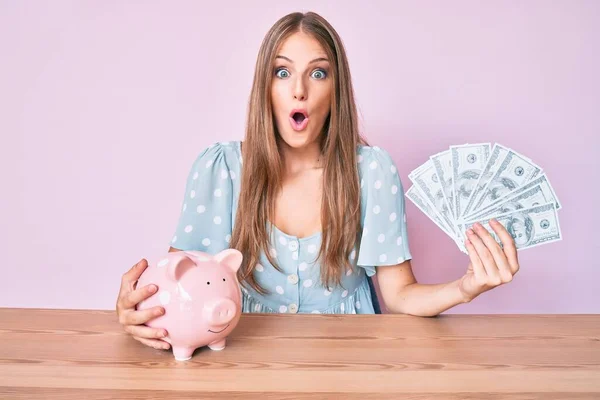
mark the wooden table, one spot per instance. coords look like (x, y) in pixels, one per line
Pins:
(84, 354)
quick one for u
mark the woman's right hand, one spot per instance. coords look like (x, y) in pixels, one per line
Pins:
(132, 319)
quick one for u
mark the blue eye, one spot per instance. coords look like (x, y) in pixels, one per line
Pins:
(322, 72)
(278, 71)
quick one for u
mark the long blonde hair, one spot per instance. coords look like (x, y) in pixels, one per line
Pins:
(262, 163)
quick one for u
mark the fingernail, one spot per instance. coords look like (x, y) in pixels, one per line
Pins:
(470, 231)
(152, 289)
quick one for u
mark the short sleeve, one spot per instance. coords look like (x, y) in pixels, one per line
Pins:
(205, 222)
(384, 239)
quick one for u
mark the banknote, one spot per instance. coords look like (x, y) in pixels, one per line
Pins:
(427, 180)
(529, 227)
(468, 162)
(514, 171)
(471, 183)
(442, 162)
(498, 154)
(538, 191)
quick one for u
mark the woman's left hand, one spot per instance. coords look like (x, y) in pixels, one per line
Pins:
(491, 265)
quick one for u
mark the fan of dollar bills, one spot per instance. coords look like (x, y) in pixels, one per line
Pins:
(477, 182)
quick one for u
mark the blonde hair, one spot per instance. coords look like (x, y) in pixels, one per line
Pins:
(261, 176)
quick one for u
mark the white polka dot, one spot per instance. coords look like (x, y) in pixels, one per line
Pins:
(312, 248)
(394, 189)
(360, 158)
(184, 207)
(400, 259)
(188, 229)
(376, 148)
(365, 231)
(353, 311)
(381, 238)
(206, 242)
(273, 252)
(282, 309)
(353, 255)
(257, 307)
(232, 174)
(357, 304)
(342, 307)
(241, 160)
(209, 163)
(399, 240)
(344, 293)
(279, 289)
(349, 272)
(373, 165)
(392, 217)
(174, 239)
(308, 283)
(224, 174)
(217, 220)
(327, 292)
(195, 175)
(295, 255)
(259, 268)
(302, 266)
(193, 194)
(382, 258)
(228, 238)
(393, 169)
(282, 240)
(218, 193)
(376, 209)
(377, 185)
(315, 312)
(200, 209)
(362, 182)
(163, 262)
(164, 297)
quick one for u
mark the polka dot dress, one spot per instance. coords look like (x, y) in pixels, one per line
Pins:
(206, 223)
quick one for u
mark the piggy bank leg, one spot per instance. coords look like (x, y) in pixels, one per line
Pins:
(218, 345)
(183, 353)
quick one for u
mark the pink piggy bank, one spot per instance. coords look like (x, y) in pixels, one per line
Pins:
(201, 296)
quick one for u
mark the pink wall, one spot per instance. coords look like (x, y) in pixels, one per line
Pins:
(105, 105)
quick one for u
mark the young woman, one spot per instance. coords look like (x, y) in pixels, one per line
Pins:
(315, 210)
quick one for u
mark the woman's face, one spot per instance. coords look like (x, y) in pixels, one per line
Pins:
(301, 80)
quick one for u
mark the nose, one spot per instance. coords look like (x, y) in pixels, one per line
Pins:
(299, 90)
(219, 312)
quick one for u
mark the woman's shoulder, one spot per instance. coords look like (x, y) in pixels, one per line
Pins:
(220, 153)
(376, 159)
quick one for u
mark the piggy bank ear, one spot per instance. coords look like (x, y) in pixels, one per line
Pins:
(231, 258)
(180, 263)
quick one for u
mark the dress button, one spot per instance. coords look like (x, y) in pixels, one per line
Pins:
(293, 308)
(293, 245)
(293, 279)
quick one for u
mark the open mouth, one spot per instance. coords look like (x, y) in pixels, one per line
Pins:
(299, 119)
(220, 330)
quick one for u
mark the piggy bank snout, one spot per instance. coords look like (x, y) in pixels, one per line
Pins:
(220, 312)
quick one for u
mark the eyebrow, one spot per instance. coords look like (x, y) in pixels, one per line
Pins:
(313, 61)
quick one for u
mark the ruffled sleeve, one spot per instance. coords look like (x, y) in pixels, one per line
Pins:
(205, 222)
(384, 239)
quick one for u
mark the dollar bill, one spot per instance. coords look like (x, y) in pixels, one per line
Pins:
(529, 227)
(514, 171)
(442, 162)
(538, 191)
(498, 154)
(468, 162)
(427, 180)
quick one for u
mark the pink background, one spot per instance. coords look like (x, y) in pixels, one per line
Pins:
(105, 105)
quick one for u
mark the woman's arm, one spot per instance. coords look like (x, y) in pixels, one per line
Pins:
(490, 266)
